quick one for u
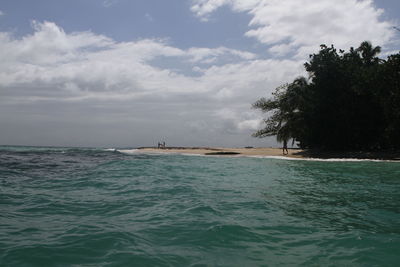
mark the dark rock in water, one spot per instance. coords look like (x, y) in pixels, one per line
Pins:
(223, 153)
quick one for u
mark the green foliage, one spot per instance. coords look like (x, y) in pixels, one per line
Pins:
(350, 101)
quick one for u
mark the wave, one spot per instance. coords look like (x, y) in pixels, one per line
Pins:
(110, 149)
(143, 152)
(323, 159)
(105, 151)
(54, 150)
(139, 151)
(128, 151)
(33, 149)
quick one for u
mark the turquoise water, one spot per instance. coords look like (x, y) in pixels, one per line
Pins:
(93, 207)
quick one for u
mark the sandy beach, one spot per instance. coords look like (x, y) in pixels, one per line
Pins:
(276, 152)
(259, 151)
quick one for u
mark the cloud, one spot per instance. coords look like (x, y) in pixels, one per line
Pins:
(1, 13)
(253, 124)
(300, 26)
(80, 85)
(109, 3)
(149, 17)
(209, 55)
(202, 8)
(97, 63)
(246, 122)
(50, 70)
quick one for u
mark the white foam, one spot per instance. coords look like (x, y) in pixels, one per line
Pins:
(128, 151)
(326, 160)
(140, 151)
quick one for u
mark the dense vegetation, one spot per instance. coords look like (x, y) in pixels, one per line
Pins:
(351, 101)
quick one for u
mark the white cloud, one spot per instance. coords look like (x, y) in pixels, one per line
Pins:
(149, 17)
(252, 125)
(203, 8)
(86, 69)
(239, 121)
(209, 55)
(1, 13)
(300, 26)
(97, 63)
(108, 3)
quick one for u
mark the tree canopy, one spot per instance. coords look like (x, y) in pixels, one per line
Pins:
(350, 101)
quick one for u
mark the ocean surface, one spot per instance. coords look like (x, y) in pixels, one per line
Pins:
(98, 207)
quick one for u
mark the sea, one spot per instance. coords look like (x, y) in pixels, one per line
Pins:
(109, 207)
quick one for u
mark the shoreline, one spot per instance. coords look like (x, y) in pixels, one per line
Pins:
(224, 151)
(293, 153)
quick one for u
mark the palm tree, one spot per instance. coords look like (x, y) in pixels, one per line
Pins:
(368, 53)
(286, 105)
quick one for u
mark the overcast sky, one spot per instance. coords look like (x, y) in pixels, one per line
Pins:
(122, 73)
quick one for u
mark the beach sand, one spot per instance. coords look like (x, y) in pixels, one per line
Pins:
(276, 152)
(259, 151)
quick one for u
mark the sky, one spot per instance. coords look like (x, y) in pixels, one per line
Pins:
(122, 73)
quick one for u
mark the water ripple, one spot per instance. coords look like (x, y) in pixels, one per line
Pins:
(93, 207)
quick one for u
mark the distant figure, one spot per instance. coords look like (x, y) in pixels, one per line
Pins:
(161, 145)
(284, 148)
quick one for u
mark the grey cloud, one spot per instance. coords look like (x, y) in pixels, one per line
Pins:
(92, 90)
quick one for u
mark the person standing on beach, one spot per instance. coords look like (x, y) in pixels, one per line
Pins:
(284, 148)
